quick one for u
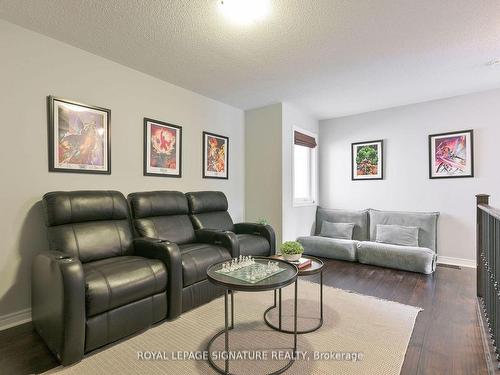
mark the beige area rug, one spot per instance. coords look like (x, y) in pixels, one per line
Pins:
(377, 329)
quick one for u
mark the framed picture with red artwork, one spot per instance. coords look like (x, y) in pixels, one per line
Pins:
(451, 155)
(215, 156)
(162, 149)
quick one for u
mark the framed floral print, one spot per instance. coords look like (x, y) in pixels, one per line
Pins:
(367, 160)
(451, 155)
(162, 149)
(79, 137)
(215, 156)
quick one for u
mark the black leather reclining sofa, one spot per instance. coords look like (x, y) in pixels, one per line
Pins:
(101, 280)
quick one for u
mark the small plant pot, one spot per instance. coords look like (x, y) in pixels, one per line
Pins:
(291, 257)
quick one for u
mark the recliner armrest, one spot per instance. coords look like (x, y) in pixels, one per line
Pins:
(224, 238)
(263, 230)
(169, 253)
(58, 304)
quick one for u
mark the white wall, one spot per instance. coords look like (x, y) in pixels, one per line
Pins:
(297, 221)
(34, 66)
(263, 194)
(406, 185)
(269, 178)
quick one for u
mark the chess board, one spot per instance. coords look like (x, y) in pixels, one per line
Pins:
(245, 273)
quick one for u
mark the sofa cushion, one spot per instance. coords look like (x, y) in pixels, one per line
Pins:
(174, 228)
(158, 203)
(89, 225)
(329, 247)
(408, 258)
(397, 235)
(93, 240)
(425, 221)
(69, 207)
(251, 244)
(206, 201)
(114, 282)
(197, 257)
(358, 217)
(337, 230)
(162, 214)
(217, 220)
(208, 210)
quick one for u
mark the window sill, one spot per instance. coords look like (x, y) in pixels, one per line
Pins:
(304, 204)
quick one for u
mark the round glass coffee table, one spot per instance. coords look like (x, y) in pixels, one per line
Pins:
(287, 276)
(315, 267)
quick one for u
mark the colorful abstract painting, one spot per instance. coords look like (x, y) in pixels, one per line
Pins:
(451, 154)
(79, 137)
(162, 149)
(367, 160)
(215, 155)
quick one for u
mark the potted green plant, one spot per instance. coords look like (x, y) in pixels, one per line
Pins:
(291, 250)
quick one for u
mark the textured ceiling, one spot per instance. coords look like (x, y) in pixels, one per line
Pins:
(331, 57)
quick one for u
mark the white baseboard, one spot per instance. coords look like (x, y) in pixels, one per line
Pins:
(15, 319)
(457, 261)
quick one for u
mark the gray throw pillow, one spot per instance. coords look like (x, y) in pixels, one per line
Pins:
(337, 230)
(397, 235)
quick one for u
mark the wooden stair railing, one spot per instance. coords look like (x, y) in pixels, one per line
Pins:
(488, 277)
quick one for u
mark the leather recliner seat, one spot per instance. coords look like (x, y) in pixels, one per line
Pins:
(98, 284)
(163, 215)
(208, 210)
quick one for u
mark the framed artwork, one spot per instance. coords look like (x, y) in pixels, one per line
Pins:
(162, 149)
(367, 160)
(79, 137)
(215, 156)
(451, 155)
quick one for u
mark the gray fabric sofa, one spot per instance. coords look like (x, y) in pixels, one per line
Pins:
(332, 247)
(329, 247)
(364, 247)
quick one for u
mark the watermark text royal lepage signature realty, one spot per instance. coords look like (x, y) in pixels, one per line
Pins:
(249, 355)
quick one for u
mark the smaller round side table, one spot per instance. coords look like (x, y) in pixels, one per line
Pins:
(287, 277)
(315, 267)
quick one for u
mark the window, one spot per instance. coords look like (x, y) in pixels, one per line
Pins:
(304, 169)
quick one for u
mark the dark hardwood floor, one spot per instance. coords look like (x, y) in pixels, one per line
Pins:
(446, 338)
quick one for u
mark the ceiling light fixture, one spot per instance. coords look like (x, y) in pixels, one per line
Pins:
(244, 12)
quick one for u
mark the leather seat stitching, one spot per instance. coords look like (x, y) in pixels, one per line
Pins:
(119, 238)
(154, 275)
(197, 269)
(72, 226)
(70, 209)
(76, 242)
(110, 293)
(154, 226)
(113, 204)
